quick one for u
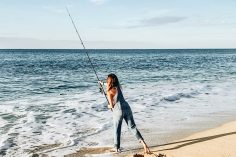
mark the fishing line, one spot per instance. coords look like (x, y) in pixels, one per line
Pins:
(82, 43)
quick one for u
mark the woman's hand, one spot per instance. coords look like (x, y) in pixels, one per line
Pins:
(110, 106)
(100, 82)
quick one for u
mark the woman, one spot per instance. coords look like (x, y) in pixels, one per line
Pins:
(121, 110)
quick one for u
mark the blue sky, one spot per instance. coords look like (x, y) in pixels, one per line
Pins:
(118, 23)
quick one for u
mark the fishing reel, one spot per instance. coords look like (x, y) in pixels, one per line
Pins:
(101, 90)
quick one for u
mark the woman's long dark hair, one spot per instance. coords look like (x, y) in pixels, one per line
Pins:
(114, 82)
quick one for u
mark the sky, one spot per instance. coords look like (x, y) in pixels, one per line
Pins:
(118, 24)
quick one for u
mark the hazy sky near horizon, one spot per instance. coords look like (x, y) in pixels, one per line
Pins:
(118, 23)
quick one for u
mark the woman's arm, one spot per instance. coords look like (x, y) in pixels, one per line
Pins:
(110, 99)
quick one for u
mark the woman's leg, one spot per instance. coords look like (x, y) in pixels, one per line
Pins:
(117, 120)
(145, 147)
(132, 126)
(117, 132)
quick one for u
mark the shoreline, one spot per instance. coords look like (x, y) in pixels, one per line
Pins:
(204, 143)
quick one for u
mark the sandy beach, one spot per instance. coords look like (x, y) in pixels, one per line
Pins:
(216, 142)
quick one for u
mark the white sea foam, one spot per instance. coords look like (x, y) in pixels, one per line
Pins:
(76, 121)
(2, 122)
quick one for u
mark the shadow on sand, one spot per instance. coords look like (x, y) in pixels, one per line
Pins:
(192, 141)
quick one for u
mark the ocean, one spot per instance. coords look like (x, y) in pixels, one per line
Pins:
(50, 100)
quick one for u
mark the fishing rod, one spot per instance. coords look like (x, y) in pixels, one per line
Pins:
(82, 43)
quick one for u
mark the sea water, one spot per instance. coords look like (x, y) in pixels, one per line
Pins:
(50, 101)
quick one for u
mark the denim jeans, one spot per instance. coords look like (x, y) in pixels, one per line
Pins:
(122, 111)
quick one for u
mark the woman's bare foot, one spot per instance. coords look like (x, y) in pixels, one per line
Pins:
(115, 150)
(147, 151)
(145, 147)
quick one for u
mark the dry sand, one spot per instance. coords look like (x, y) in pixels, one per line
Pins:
(217, 142)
